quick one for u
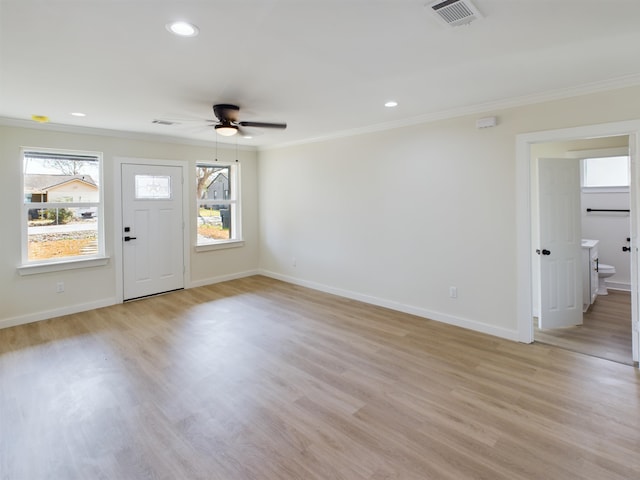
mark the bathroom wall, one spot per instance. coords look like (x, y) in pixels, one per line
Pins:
(612, 229)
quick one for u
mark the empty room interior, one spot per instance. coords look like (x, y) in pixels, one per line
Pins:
(319, 240)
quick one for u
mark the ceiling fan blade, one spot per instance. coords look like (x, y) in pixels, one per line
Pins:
(263, 125)
(226, 112)
(244, 133)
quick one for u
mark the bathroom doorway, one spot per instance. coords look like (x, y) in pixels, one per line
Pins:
(623, 304)
(605, 331)
(603, 324)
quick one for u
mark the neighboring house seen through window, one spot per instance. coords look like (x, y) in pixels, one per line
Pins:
(62, 207)
(218, 203)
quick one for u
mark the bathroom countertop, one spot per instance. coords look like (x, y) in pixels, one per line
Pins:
(586, 243)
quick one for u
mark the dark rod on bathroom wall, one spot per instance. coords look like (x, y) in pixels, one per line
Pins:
(604, 210)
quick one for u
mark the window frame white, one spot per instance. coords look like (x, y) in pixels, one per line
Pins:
(235, 207)
(583, 155)
(29, 267)
(588, 187)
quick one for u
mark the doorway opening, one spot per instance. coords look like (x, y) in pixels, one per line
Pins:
(150, 234)
(600, 322)
(528, 148)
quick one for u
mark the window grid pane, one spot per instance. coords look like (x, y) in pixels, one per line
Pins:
(55, 233)
(153, 187)
(606, 172)
(61, 194)
(216, 203)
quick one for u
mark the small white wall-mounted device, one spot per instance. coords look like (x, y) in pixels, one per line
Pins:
(486, 122)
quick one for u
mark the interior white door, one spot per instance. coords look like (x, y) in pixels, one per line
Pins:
(152, 248)
(560, 243)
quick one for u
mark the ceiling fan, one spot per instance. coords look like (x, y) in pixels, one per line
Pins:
(229, 125)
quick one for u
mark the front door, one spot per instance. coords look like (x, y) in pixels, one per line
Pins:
(152, 236)
(560, 243)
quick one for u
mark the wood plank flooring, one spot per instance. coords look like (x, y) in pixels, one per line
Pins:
(605, 333)
(258, 379)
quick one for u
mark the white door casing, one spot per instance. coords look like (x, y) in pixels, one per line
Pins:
(152, 212)
(634, 193)
(525, 214)
(560, 243)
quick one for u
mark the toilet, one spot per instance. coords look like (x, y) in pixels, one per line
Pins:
(604, 271)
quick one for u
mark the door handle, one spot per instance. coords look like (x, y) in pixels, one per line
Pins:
(626, 249)
(127, 238)
(544, 252)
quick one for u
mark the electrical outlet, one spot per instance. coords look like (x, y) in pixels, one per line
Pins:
(60, 287)
(453, 292)
(294, 262)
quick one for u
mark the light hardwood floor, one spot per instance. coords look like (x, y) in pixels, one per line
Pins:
(605, 332)
(258, 379)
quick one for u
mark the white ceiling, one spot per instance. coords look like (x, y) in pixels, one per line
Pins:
(326, 67)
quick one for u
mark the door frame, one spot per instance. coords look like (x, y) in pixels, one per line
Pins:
(524, 216)
(117, 213)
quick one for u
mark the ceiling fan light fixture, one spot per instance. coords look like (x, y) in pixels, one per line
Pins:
(226, 130)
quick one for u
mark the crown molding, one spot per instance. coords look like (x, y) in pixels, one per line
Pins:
(481, 108)
(150, 137)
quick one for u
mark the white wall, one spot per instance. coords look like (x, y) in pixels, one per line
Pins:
(393, 217)
(397, 217)
(612, 230)
(34, 297)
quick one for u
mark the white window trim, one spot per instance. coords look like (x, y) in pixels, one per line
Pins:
(219, 245)
(32, 269)
(605, 189)
(236, 196)
(27, 267)
(600, 153)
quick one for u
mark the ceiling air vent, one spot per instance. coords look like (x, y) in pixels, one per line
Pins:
(455, 12)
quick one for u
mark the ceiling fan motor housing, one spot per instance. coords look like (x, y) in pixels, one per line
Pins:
(228, 125)
(226, 112)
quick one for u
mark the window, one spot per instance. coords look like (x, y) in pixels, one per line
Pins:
(605, 172)
(62, 209)
(218, 203)
(153, 187)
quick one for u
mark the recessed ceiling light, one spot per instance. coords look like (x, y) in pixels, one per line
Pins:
(391, 104)
(78, 114)
(183, 29)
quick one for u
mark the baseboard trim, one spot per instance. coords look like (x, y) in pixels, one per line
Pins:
(400, 307)
(57, 312)
(83, 307)
(618, 286)
(223, 278)
(372, 300)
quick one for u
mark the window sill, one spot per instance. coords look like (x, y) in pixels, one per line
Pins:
(219, 245)
(63, 265)
(605, 189)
